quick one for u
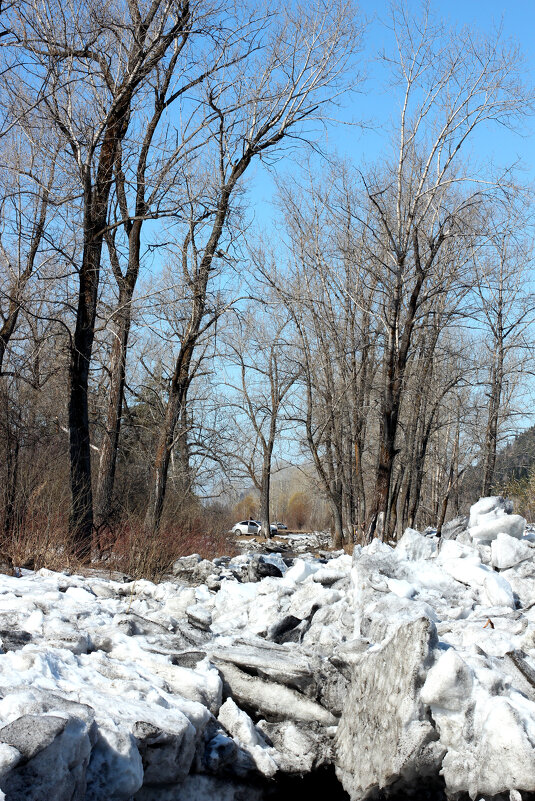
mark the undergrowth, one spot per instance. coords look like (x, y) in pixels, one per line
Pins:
(42, 540)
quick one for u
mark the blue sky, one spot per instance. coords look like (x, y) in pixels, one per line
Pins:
(375, 104)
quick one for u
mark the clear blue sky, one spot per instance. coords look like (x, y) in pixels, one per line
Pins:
(517, 19)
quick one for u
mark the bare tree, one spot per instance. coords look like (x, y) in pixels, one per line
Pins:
(301, 67)
(97, 61)
(506, 311)
(452, 83)
(258, 349)
(24, 209)
(148, 168)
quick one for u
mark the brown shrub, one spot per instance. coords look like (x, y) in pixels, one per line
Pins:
(246, 508)
(298, 510)
(133, 552)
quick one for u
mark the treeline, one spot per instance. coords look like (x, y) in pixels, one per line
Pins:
(156, 348)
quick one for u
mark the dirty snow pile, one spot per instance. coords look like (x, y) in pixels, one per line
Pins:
(405, 669)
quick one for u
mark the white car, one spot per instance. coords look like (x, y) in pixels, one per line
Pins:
(251, 527)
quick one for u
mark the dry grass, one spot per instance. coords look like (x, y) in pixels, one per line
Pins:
(42, 540)
(138, 555)
(39, 541)
(128, 547)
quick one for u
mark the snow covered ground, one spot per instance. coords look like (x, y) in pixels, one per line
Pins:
(401, 667)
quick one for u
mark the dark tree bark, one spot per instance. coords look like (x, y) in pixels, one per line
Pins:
(495, 397)
(143, 56)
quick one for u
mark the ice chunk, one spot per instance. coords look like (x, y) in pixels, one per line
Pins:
(273, 700)
(241, 727)
(115, 770)
(448, 683)
(508, 551)
(55, 753)
(384, 733)
(471, 572)
(488, 529)
(494, 504)
(401, 588)
(499, 758)
(414, 546)
(490, 516)
(498, 590)
(166, 755)
(300, 570)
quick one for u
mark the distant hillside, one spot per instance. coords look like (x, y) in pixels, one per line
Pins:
(517, 458)
(514, 461)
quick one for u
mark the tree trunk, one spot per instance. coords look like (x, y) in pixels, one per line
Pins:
(164, 447)
(338, 529)
(265, 496)
(385, 464)
(110, 441)
(491, 434)
(81, 520)
(12, 440)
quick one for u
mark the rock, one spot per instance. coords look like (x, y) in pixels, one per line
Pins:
(508, 551)
(54, 756)
(384, 737)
